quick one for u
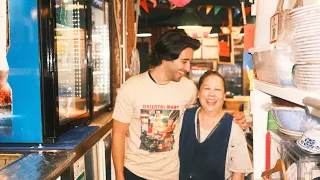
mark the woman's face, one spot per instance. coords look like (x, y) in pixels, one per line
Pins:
(212, 93)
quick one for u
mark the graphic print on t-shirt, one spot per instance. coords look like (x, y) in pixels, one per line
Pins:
(157, 126)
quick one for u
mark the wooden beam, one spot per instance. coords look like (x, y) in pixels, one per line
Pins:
(131, 32)
(230, 20)
(115, 49)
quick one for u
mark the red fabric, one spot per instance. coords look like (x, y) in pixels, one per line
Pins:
(144, 5)
(247, 10)
(179, 3)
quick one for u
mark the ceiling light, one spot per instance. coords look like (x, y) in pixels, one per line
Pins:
(190, 19)
(143, 32)
(144, 35)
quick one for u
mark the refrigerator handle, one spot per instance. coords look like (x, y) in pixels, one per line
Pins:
(89, 55)
(50, 54)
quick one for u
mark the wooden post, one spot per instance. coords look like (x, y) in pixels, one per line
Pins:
(117, 19)
(131, 32)
(115, 49)
(230, 20)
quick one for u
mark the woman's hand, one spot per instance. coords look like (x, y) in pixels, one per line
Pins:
(240, 118)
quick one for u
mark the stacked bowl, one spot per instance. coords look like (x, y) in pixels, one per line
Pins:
(305, 23)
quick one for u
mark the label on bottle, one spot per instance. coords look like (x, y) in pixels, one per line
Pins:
(274, 27)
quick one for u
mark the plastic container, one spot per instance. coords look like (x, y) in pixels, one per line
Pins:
(276, 140)
(307, 164)
(273, 66)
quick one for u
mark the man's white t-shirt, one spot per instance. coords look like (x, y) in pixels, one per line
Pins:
(154, 113)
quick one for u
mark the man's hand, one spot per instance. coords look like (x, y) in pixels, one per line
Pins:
(240, 118)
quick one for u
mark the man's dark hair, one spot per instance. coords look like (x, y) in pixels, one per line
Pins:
(170, 45)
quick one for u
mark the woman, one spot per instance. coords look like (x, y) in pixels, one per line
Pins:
(212, 145)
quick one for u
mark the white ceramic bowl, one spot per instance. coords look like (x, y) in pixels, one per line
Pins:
(311, 139)
(304, 10)
(295, 23)
(302, 44)
(306, 78)
(311, 2)
(307, 88)
(310, 74)
(305, 51)
(307, 66)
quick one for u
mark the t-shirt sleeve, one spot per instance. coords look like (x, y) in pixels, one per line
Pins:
(238, 155)
(192, 103)
(123, 109)
(194, 92)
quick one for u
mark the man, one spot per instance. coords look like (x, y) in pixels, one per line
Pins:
(142, 153)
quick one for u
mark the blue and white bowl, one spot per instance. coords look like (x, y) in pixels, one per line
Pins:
(310, 140)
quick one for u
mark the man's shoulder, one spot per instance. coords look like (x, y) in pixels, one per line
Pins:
(187, 82)
(135, 79)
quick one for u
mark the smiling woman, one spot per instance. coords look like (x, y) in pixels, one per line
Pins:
(212, 145)
(212, 91)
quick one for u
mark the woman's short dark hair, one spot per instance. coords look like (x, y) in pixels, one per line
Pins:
(212, 73)
(170, 45)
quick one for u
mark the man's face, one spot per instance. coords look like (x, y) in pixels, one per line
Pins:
(177, 68)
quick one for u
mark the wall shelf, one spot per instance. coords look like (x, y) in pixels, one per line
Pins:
(290, 94)
(260, 96)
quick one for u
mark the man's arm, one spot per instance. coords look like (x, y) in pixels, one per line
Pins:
(119, 131)
(240, 118)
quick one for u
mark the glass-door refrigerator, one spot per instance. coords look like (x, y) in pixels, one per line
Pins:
(50, 70)
(67, 40)
(101, 55)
